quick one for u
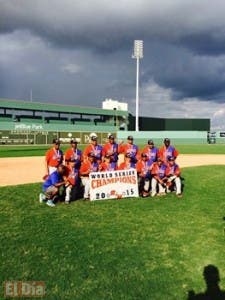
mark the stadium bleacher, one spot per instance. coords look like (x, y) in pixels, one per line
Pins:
(32, 118)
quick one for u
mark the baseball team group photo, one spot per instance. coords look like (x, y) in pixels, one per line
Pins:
(112, 150)
(67, 175)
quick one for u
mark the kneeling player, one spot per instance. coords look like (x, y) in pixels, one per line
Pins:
(158, 178)
(88, 166)
(52, 184)
(107, 165)
(127, 164)
(173, 175)
(144, 176)
(72, 179)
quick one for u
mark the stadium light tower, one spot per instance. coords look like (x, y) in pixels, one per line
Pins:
(138, 54)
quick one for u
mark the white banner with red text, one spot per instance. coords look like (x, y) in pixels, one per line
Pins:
(113, 184)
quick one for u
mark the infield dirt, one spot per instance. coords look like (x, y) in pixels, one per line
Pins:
(21, 170)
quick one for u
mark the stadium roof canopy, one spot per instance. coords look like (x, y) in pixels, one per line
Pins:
(47, 107)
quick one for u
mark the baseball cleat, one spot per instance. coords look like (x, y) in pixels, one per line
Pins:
(50, 203)
(41, 198)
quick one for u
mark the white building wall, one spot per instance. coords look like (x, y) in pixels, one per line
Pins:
(112, 104)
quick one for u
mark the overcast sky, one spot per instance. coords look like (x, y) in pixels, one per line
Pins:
(79, 52)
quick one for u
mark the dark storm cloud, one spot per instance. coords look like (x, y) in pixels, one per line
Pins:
(186, 74)
(60, 48)
(108, 26)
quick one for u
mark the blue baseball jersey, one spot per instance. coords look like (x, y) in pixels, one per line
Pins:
(52, 179)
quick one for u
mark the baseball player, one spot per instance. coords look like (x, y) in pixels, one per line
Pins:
(88, 166)
(127, 164)
(159, 178)
(107, 165)
(52, 185)
(73, 154)
(129, 148)
(110, 148)
(151, 151)
(144, 166)
(173, 174)
(53, 157)
(94, 148)
(167, 151)
(71, 179)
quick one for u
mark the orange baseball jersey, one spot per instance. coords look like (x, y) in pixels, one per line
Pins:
(71, 175)
(165, 153)
(159, 171)
(152, 153)
(54, 157)
(126, 166)
(144, 167)
(97, 150)
(131, 149)
(107, 167)
(173, 170)
(88, 167)
(111, 149)
(73, 155)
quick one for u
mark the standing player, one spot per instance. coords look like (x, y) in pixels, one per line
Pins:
(167, 151)
(94, 148)
(143, 167)
(159, 178)
(73, 154)
(110, 148)
(53, 157)
(129, 148)
(151, 151)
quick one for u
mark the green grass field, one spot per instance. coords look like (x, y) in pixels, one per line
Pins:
(153, 249)
(31, 150)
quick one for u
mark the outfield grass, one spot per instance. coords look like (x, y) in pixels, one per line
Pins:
(32, 150)
(153, 249)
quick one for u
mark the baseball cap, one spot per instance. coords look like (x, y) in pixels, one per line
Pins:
(93, 134)
(171, 158)
(130, 137)
(111, 137)
(144, 154)
(166, 140)
(56, 141)
(91, 154)
(150, 142)
(94, 138)
(73, 141)
(71, 160)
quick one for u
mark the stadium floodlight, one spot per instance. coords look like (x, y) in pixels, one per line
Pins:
(138, 54)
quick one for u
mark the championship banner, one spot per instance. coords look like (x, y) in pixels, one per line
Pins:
(113, 184)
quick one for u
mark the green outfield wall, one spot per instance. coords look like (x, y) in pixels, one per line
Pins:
(177, 137)
(21, 133)
(169, 124)
(31, 133)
